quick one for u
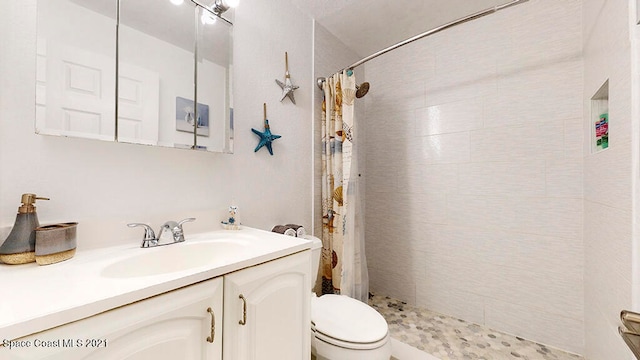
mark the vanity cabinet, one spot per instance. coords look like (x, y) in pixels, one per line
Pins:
(266, 315)
(267, 311)
(175, 325)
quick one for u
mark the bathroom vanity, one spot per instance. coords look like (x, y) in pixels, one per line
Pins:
(250, 300)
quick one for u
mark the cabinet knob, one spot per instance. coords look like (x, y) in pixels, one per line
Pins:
(213, 325)
(244, 310)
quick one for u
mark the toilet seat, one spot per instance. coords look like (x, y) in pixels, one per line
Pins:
(348, 323)
(349, 345)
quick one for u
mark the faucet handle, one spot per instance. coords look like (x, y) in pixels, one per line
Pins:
(178, 233)
(185, 220)
(149, 236)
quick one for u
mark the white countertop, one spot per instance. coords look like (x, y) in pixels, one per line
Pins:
(35, 298)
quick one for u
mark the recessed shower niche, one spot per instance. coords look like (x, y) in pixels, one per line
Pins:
(599, 119)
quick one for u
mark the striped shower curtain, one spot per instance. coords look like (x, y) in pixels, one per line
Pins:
(343, 264)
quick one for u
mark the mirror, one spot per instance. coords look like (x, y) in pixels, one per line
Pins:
(75, 69)
(173, 70)
(213, 82)
(156, 49)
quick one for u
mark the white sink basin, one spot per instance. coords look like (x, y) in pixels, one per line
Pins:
(176, 257)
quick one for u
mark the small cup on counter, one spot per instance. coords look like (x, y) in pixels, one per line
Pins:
(55, 243)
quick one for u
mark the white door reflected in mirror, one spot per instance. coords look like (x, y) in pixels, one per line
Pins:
(75, 73)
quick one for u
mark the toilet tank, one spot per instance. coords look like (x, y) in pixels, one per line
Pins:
(316, 252)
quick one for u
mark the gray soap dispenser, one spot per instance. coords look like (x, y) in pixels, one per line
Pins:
(20, 246)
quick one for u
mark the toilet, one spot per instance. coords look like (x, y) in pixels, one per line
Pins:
(343, 328)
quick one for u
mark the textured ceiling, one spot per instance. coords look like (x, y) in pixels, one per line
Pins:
(367, 26)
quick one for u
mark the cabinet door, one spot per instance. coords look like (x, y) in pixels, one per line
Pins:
(267, 310)
(175, 325)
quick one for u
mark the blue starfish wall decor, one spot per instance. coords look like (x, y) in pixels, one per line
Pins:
(287, 87)
(265, 137)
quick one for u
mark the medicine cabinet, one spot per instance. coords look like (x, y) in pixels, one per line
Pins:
(136, 71)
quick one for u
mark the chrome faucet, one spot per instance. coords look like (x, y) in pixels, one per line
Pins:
(150, 239)
(175, 228)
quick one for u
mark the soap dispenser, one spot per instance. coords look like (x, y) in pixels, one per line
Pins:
(19, 247)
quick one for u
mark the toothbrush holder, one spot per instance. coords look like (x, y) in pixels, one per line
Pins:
(55, 243)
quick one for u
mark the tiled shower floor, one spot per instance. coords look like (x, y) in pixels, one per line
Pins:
(452, 339)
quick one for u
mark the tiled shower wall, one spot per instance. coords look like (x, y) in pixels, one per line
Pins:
(474, 172)
(608, 176)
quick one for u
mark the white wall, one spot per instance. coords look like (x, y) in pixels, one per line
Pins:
(105, 185)
(474, 172)
(608, 178)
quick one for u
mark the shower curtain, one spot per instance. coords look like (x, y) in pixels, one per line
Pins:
(344, 267)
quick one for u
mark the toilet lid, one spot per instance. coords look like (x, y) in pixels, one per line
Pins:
(346, 319)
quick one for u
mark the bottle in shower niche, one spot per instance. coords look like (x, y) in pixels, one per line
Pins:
(602, 131)
(20, 245)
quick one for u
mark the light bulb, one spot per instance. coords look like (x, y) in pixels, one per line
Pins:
(177, 2)
(232, 3)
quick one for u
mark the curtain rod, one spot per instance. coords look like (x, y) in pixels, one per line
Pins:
(465, 19)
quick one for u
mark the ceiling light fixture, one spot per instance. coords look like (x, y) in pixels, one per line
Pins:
(177, 2)
(220, 6)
